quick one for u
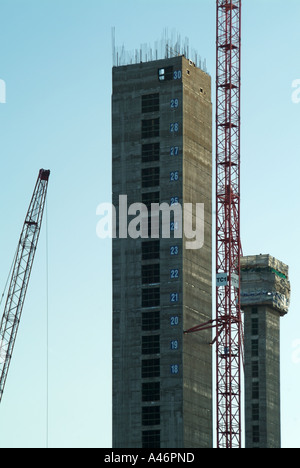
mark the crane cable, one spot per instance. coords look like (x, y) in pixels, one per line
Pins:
(47, 329)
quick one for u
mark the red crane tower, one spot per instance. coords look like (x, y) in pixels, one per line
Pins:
(228, 321)
(20, 275)
(228, 243)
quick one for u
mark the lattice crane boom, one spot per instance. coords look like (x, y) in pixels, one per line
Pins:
(228, 322)
(21, 274)
(228, 243)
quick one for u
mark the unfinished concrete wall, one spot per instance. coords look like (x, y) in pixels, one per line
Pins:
(197, 266)
(265, 295)
(162, 385)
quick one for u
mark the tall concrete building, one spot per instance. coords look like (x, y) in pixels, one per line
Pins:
(265, 295)
(162, 152)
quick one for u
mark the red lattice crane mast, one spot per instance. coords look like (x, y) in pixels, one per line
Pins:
(228, 243)
(20, 275)
(228, 321)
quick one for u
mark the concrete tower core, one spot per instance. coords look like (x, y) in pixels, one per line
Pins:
(162, 153)
(265, 295)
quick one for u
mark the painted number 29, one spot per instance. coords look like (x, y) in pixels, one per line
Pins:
(174, 103)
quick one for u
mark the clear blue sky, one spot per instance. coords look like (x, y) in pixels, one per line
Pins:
(56, 60)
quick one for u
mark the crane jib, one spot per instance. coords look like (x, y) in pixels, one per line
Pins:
(20, 275)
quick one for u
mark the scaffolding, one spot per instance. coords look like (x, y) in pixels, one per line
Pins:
(265, 280)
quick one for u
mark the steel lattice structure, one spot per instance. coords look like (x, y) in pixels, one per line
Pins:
(20, 275)
(228, 244)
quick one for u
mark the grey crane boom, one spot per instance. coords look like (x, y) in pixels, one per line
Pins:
(21, 274)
